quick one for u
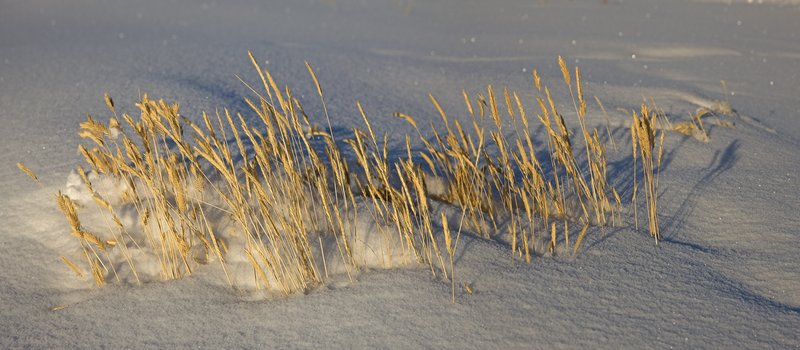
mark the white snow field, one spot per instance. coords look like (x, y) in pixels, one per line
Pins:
(726, 275)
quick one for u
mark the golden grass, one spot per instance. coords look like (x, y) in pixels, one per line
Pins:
(716, 112)
(650, 151)
(287, 186)
(28, 172)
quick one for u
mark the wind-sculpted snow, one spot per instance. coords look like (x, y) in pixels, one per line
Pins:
(724, 276)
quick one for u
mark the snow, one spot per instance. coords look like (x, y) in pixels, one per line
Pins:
(725, 276)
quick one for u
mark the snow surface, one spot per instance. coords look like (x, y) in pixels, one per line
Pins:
(726, 276)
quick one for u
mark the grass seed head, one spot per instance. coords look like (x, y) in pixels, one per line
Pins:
(28, 172)
(564, 71)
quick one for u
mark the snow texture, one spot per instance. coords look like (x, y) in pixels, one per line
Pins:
(725, 276)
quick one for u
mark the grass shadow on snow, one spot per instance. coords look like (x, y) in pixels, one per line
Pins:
(722, 161)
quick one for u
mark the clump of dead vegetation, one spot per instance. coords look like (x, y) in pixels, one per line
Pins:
(289, 191)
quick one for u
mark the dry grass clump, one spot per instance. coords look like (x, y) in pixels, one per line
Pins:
(696, 126)
(650, 151)
(288, 189)
(715, 111)
(495, 176)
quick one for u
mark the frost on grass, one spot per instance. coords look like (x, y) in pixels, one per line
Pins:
(269, 202)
